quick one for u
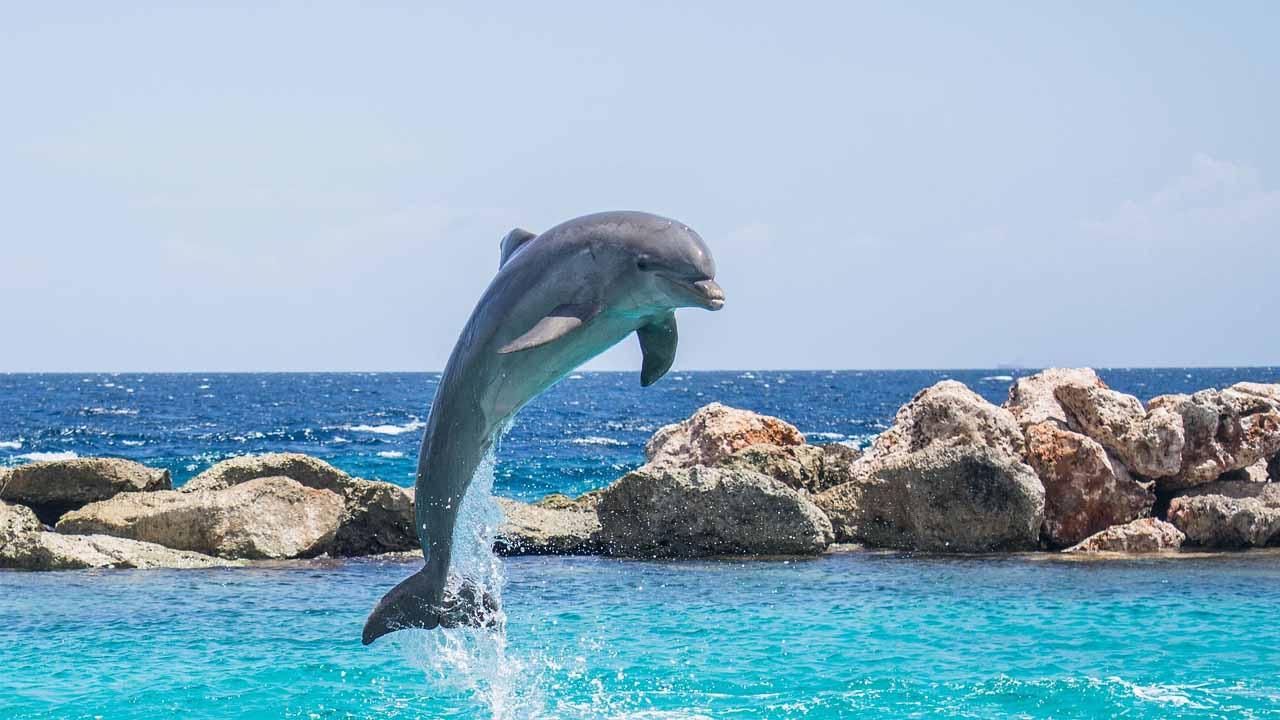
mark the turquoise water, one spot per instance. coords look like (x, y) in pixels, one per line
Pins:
(847, 635)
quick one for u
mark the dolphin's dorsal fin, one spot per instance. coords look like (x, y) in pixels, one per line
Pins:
(658, 343)
(513, 241)
(557, 323)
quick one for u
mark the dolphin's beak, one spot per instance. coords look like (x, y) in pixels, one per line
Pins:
(710, 293)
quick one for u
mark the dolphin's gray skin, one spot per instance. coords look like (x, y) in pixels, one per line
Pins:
(559, 299)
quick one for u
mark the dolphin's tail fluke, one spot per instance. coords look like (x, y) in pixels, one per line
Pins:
(418, 603)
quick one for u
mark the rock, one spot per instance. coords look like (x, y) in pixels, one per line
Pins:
(1228, 514)
(713, 433)
(1267, 391)
(377, 516)
(1223, 430)
(1149, 444)
(797, 466)
(838, 465)
(665, 511)
(54, 551)
(542, 530)
(1145, 535)
(265, 518)
(54, 487)
(1086, 491)
(1032, 399)
(945, 498)
(952, 414)
(16, 520)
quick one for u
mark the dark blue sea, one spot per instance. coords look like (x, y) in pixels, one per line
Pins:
(846, 635)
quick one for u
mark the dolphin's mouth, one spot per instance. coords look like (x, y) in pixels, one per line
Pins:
(705, 293)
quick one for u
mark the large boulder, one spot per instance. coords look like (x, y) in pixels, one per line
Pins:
(566, 529)
(1148, 443)
(948, 413)
(1086, 490)
(1145, 535)
(265, 518)
(1223, 430)
(1228, 514)
(54, 551)
(945, 498)
(1033, 399)
(665, 511)
(54, 487)
(715, 432)
(16, 520)
(377, 517)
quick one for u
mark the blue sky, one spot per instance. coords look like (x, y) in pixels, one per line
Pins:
(320, 187)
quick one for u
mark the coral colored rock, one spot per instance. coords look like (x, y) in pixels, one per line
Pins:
(1146, 535)
(1149, 444)
(715, 432)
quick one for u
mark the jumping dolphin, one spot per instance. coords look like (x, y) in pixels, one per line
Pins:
(558, 300)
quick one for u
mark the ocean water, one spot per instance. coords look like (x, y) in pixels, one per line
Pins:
(843, 635)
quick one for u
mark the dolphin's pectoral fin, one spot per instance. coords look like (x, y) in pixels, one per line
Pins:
(558, 323)
(413, 604)
(512, 242)
(658, 343)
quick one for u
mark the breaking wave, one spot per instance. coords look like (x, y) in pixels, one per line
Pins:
(408, 427)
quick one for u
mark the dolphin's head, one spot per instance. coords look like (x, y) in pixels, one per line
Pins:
(674, 262)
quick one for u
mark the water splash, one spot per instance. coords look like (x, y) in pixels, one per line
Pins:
(477, 662)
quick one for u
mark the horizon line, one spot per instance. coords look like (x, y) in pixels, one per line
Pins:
(1020, 368)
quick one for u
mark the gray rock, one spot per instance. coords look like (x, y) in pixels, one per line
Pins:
(1148, 443)
(1032, 399)
(1255, 473)
(568, 529)
(54, 551)
(797, 466)
(1223, 430)
(1228, 514)
(16, 520)
(377, 517)
(54, 487)
(1086, 490)
(265, 518)
(715, 432)
(1146, 535)
(664, 511)
(961, 498)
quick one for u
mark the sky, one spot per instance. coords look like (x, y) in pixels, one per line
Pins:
(321, 186)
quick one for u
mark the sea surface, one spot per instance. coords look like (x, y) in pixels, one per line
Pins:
(844, 635)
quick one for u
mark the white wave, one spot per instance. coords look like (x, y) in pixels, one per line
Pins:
(997, 378)
(109, 411)
(202, 387)
(825, 435)
(391, 454)
(388, 429)
(43, 456)
(597, 440)
(10, 444)
(338, 440)
(133, 443)
(1174, 695)
(575, 377)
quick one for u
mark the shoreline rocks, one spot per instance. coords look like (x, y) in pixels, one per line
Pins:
(664, 511)
(556, 528)
(260, 519)
(1145, 535)
(54, 487)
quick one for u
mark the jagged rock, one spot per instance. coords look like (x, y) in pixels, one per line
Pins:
(264, 518)
(665, 511)
(16, 520)
(951, 414)
(54, 551)
(1223, 430)
(945, 498)
(1267, 391)
(377, 516)
(537, 529)
(797, 466)
(713, 433)
(54, 487)
(1148, 443)
(559, 501)
(1032, 399)
(1228, 514)
(838, 465)
(1085, 490)
(1145, 535)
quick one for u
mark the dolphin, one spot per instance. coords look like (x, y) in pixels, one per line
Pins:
(558, 300)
